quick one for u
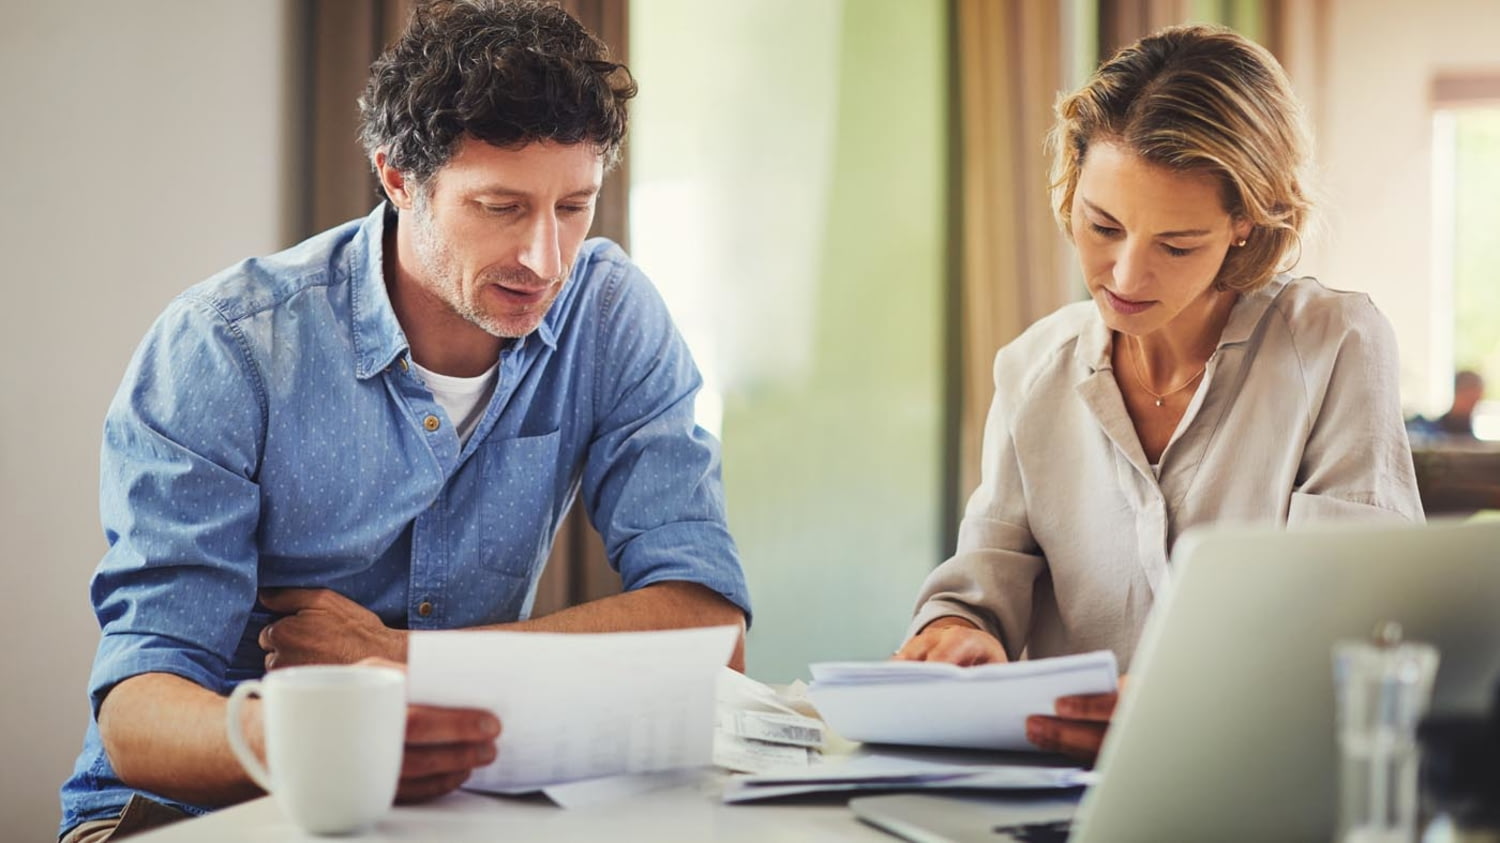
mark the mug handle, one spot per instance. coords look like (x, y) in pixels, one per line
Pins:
(237, 742)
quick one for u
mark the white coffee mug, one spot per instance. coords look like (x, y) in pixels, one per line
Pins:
(334, 735)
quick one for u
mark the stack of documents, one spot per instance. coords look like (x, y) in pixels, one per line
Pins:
(756, 729)
(575, 707)
(885, 769)
(943, 705)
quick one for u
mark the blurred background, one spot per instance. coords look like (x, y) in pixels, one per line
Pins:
(843, 201)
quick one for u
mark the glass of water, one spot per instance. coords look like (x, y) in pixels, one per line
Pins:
(1383, 687)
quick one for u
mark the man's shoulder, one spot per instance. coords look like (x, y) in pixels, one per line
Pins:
(257, 284)
(605, 283)
(604, 270)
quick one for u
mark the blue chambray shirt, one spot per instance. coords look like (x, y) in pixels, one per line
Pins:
(268, 433)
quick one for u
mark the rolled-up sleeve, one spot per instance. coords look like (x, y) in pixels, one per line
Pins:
(652, 478)
(179, 504)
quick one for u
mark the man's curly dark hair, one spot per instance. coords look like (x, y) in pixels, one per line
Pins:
(508, 72)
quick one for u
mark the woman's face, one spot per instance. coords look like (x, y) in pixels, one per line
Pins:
(1150, 240)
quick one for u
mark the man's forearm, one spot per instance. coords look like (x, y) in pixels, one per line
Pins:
(668, 605)
(166, 734)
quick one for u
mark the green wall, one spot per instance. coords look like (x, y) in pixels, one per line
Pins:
(789, 196)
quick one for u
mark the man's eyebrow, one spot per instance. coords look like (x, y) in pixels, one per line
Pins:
(504, 190)
(1193, 232)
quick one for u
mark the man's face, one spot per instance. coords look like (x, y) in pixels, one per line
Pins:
(495, 231)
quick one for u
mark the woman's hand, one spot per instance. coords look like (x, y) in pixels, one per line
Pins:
(954, 640)
(1079, 726)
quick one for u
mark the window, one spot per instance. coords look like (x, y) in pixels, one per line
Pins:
(1466, 195)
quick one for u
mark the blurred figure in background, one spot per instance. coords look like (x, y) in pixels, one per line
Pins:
(1468, 391)
(1458, 422)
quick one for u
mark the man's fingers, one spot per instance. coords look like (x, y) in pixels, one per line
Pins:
(1096, 707)
(431, 787)
(426, 761)
(444, 745)
(433, 725)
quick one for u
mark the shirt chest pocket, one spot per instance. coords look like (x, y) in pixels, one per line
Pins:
(516, 515)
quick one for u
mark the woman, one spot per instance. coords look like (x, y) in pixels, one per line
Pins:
(1199, 385)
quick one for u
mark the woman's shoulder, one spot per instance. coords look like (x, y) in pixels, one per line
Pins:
(1307, 303)
(1315, 314)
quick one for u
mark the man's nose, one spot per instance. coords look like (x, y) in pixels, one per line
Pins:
(541, 253)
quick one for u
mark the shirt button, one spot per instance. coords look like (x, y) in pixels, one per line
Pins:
(424, 609)
(431, 423)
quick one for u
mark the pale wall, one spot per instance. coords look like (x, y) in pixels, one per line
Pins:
(142, 146)
(1375, 136)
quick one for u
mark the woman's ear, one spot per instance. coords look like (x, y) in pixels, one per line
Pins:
(1241, 228)
(393, 181)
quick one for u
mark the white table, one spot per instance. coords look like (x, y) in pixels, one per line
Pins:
(685, 813)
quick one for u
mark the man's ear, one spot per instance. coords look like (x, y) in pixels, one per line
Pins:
(393, 181)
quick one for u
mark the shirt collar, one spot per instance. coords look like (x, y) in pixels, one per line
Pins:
(1095, 341)
(378, 338)
(1249, 310)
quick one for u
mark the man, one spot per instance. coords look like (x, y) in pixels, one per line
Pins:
(1468, 391)
(380, 429)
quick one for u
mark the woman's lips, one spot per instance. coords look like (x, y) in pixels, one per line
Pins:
(1126, 306)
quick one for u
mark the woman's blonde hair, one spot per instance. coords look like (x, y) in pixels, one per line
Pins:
(1205, 99)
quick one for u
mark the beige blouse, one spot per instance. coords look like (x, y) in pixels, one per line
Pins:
(1065, 542)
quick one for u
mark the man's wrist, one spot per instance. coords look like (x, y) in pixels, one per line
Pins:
(396, 646)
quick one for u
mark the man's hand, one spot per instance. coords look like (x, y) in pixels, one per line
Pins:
(443, 746)
(1078, 729)
(324, 627)
(952, 639)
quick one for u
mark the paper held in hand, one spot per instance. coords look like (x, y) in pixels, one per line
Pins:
(943, 705)
(578, 706)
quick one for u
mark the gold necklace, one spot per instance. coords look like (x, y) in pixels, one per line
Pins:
(1161, 397)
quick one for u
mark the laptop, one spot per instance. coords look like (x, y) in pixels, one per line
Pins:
(1227, 730)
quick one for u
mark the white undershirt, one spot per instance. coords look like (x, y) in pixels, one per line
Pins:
(463, 399)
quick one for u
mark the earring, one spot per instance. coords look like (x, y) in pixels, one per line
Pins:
(1241, 244)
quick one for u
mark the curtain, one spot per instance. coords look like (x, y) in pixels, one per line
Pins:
(336, 41)
(1011, 60)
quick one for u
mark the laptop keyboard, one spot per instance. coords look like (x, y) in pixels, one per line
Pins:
(1048, 832)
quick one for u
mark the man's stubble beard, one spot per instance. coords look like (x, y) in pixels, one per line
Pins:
(436, 261)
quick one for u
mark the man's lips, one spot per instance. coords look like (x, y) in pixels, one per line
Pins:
(522, 294)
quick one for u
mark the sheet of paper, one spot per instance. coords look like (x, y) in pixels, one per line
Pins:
(744, 755)
(877, 770)
(578, 706)
(935, 704)
(741, 693)
(591, 792)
